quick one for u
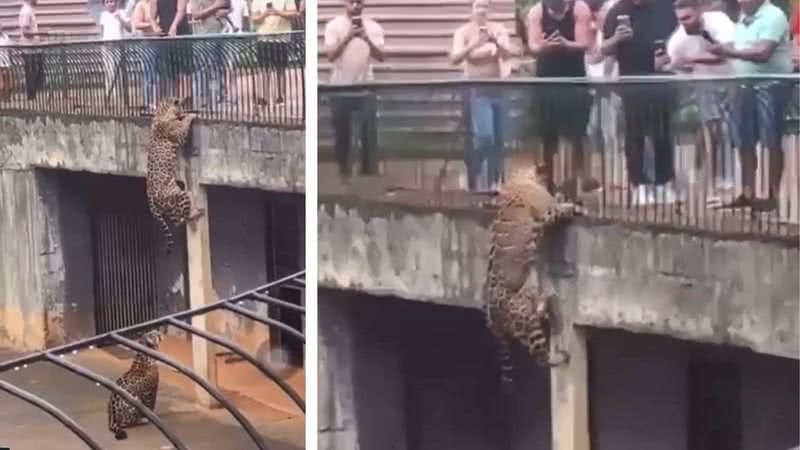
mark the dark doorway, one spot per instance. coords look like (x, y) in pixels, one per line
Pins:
(124, 246)
(715, 421)
(285, 228)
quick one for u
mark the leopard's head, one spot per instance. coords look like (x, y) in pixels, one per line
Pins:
(169, 109)
(151, 339)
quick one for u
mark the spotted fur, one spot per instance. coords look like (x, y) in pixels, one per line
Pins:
(516, 308)
(167, 200)
(141, 381)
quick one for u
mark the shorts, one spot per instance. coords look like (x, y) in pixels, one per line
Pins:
(563, 110)
(761, 114)
(175, 57)
(273, 54)
(714, 102)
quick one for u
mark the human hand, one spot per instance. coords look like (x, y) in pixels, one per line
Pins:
(662, 59)
(173, 31)
(622, 33)
(554, 42)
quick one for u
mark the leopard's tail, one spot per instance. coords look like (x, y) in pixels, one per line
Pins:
(168, 234)
(113, 424)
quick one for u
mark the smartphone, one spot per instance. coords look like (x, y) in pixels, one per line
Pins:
(357, 21)
(624, 20)
(660, 45)
(707, 36)
(269, 5)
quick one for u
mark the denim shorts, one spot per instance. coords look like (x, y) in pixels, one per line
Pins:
(761, 114)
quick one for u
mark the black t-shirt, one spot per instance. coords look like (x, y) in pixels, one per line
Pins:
(651, 21)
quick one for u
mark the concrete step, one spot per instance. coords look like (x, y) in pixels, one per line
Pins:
(421, 22)
(332, 7)
(404, 71)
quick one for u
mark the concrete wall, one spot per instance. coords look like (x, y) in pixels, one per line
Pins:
(22, 239)
(611, 276)
(221, 154)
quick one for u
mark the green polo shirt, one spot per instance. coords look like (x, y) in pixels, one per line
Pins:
(769, 23)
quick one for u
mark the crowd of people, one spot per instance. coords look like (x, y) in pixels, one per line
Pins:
(581, 39)
(171, 68)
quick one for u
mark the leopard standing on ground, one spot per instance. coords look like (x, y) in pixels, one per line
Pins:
(167, 200)
(141, 381)
(517, 310)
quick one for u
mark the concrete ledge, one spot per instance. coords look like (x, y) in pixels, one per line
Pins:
(698, 288)
(224, 154)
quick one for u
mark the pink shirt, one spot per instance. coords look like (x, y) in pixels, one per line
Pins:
(354, 64)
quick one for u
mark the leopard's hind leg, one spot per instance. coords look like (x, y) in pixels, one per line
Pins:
(181, 211)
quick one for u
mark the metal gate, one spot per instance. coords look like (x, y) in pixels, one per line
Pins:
(285, 229)
(125, 286)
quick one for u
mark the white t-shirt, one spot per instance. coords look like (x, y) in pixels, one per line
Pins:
(27, 19)
(111, 26)
(236, 17)
(682, 45)
(355, 63)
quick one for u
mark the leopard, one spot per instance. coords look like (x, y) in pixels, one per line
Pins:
(516, 308)
(167, 200)
(141, 381)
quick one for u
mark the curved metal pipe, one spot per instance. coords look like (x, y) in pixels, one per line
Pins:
(53, 411)
(108, 384)
(240, 351)
(269, 299)
(264, 320)
(248, 427)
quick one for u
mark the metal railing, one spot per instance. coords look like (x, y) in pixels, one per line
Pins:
(247, 77)
(57, 356)
(420, 139)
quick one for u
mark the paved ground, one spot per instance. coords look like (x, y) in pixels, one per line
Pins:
(23, 427)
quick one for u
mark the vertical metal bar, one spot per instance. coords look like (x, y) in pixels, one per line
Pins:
(56, 413)
(108, 384)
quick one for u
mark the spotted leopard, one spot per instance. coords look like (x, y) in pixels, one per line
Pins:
(167, 200)
(517, 310)
(141, 381)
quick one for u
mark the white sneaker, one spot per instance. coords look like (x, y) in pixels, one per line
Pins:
(642, 196)
(665, 194)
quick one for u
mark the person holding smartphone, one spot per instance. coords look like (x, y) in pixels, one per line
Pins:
(274, 17)
(483, 48)
(688, 53)
(631, 31)
(559, 35)
(352, 42)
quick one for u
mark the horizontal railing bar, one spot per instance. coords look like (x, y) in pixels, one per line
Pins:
(264, 320)
(248, 427)
(108, 384)
(264, 298)
(38, 356)
(219, 340)
(56, 413)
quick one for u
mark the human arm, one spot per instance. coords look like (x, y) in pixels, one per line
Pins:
(374, 39)
(26, 27)
(583, 21)
(120, 16)
(180, 13)
(461, 48)
(538, 43)
(502, 40)
(215, 9)
(334, 45)
(153, 7)
(613, 34)
(768, 39)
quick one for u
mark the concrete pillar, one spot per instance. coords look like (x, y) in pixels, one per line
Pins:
(201, 293)
(569, 393)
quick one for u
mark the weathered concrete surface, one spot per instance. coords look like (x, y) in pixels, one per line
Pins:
(220, 154)
(23, 427)
(23, 236)
(743, 293)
